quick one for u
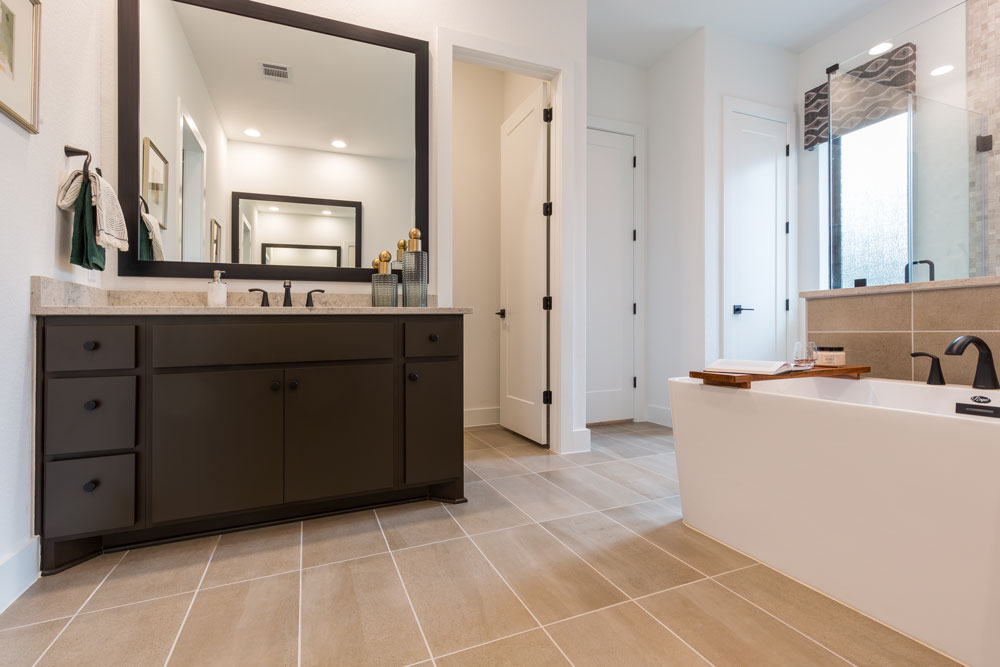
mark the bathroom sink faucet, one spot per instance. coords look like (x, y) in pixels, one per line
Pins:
(288, 294)
(986, 372)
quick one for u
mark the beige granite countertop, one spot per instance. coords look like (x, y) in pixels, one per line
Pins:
(52, 297)
(957, 283)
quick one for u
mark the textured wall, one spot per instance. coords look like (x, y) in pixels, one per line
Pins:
(983, 43)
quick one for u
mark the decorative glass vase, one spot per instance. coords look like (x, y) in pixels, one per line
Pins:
(415, 278)
(384, 290)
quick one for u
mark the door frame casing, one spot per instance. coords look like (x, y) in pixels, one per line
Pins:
(731, 106)
(640, 408)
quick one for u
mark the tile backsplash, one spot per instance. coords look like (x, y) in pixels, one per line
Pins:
(881, 330)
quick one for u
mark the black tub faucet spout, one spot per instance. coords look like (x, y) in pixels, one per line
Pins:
(986, 372)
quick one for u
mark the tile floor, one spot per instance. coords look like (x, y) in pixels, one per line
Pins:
(555, 560)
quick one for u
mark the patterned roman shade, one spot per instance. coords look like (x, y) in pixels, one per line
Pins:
(865, 95)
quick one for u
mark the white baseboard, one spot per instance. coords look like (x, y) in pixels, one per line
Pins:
(659, 414)
(579, 441)
(481, 416)
(18, 572)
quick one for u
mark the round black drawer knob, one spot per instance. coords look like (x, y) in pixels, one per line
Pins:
(414, 377)
(275, 386)
(90, 406)
(294, 384)
(90, 345)
(91, 486)
(434, 338)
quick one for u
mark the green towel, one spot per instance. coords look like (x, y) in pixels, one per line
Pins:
(84, 250)
(145, 245)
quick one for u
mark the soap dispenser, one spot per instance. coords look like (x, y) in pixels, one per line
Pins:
(383, 282)
(415, 273)
(216, 291)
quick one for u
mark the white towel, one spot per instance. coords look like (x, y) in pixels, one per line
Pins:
(111, 230)
(153, 229)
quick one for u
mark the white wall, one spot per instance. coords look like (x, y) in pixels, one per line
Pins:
(616, 91)
(285, 228)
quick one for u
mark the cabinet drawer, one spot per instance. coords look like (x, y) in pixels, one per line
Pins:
(234, 344)
(90, 348)
(433, 338)
(89, 414)
(89, 495)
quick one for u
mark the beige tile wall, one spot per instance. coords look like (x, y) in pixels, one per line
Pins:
(881, 330)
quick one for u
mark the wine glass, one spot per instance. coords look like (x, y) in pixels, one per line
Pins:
(805, 355)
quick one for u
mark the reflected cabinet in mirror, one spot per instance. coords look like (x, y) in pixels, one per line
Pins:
(265, 142)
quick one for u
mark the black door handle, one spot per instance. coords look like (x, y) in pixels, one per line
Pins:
(502, 313)
(294, 384)
(414, 377)
(90, 486)
(90, 345)
(90, 406)
(434, 338)
(740, 309)
(275, 386)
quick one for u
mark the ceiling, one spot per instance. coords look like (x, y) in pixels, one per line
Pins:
(338, 89)
(638, 32)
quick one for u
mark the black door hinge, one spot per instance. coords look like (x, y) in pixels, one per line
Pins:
(634, 238)
(833, 68)
(634, 309)
(788, 150)
(547, 397)
(547, 209)
(547, 115)
(546, 303)
(787, 227)
(984, 143)
(635, 162)
(786, 305)
(635, 382)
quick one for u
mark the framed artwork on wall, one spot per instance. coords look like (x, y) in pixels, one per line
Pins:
(155, 177)
(20, 54)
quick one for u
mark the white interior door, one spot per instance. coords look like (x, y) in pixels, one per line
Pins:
(610, 292)
(755, 255)
(524, 269)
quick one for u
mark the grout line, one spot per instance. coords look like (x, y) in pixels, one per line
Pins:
(487, 643)
(406, 592)
(131, 604)
(28, 625)
(191, 604)
(243, 581)
(73, 617)
(302, 532)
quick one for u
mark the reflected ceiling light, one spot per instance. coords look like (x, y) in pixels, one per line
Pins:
(273, 209)
(338, 143)
(941, 71)
(879, 49)
(250, 132)
(327, 212)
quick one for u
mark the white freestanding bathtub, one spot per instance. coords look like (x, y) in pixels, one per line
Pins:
(872, 491)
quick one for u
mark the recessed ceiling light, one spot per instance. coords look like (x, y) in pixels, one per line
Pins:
(879, 49)
(941, 71)
(327, 212)
(338, 143)
(250, 132)
(273, 209)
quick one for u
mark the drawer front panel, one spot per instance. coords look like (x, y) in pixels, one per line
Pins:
(90, 348)
(433, 338)
(89, 495)
(234, 344)
(89, 414)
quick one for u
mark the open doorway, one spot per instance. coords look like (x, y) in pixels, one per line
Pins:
(501, 158)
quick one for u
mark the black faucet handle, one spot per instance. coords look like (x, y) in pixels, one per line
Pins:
(309, 297)
(264, 302)
(936, 376)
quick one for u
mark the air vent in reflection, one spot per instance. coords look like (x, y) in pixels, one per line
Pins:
(274, 72)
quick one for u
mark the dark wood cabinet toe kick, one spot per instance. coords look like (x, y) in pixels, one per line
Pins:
(151, 429)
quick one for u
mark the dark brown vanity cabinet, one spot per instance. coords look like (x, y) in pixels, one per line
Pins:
(189, 425)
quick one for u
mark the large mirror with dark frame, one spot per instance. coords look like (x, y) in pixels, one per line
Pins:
(265, 142)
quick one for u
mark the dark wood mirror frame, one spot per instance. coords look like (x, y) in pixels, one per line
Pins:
(129, 139)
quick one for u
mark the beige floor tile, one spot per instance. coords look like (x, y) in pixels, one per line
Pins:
(638, 479)
(635, 565)
(136, 634)
(595, 490)
(650, 427)
(417, 523)
(22, 646)
(153, 572)
(491, 464)
(470, 476)
(587, 458)
(538, 498)
(622, 635)
(334, 538)
(535, 458)
(857, 638)
(499, 437)
(470, 442)
(254, 553)
(460, 600)
(549, 578)
(673, 503)
(653, 443)
(356, 613)
(664, 527)
(661, 464)
(531, 649)
(730, 631)
(250, 623)
(60, 594)
(607, 429)
(486, 510)
(616, 449)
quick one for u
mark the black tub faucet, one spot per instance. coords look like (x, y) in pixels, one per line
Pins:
(936, 376)
(288, 294)
(986, 372)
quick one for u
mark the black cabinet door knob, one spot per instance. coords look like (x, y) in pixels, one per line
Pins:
(414, 377)
(434, 338)
(90, 406)
(90, 345)
(275, 386)
(294, 384)
(90, 486)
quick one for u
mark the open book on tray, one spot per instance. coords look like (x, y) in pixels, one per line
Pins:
(752, 367)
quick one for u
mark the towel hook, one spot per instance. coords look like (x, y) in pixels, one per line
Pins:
(145, 206)
(72, 151)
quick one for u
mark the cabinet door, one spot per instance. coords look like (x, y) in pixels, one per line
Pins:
(216, 443)
(338, 430)
(433, 421)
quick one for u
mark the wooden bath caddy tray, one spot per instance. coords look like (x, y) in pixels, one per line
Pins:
(743, 380)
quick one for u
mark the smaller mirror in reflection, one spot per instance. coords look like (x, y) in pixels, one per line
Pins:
(296, 231)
